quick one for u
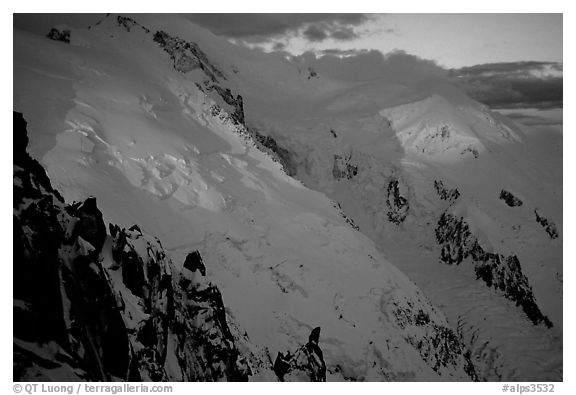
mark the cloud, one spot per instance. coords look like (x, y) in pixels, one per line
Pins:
(513, 84)
(248, 28)
(344, 34)
(513, 68)
(315, 33)
(262, 27)
(321, 31)
(366, 65)
(41, 23)
(341, 52)
(278, 46)
(530, 119)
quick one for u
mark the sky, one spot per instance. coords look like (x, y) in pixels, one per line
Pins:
(503, 60)
(452, 40)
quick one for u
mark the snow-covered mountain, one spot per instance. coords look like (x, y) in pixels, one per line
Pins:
(254, 198)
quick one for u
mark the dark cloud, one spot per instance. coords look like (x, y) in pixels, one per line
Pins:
(509, 68)
(513, 85)
(262, 27)
(341, 52)
(344, 34)
(279, 46)
(315, 33)
(42, 23)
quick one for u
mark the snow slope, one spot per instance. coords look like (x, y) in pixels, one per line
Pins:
(110, 116)
(378, 142)
(398, 138)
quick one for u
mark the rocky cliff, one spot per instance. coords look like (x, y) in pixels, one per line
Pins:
(95, 306)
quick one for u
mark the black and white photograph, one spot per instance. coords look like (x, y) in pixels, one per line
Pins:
(278, 197)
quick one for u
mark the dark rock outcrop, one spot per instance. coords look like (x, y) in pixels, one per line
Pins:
(438, 345)
(62, 296)
(510, 199)
(397, 204)
(129, 23)
(203, 343)
(343, 168)
(34, 182)
(548, 225)
(444, 132)
(472, 150)
(312, 73)
(59, 35)
(349, 220)
(88, 306)
(282, 364)
(237, 102)
(194, 262)
(451, 195)
(90, 225)
(503, 273)
(187, 56)
(307, 361)
(265, 143)
(281, 154)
